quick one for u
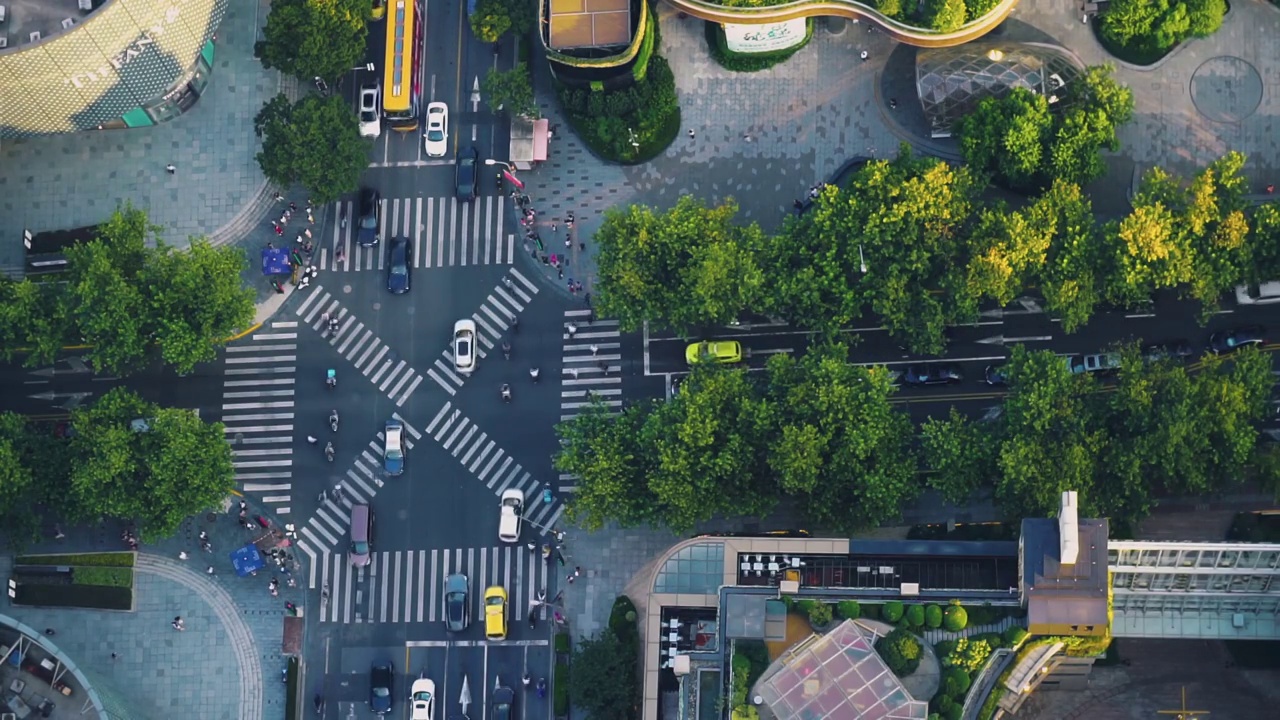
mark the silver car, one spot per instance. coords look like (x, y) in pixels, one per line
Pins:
(457, 603)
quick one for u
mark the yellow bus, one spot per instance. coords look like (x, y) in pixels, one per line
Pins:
(401, 84)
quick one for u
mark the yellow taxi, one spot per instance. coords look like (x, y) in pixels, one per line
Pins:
(723, 351)
(495, 613)
(379, 10)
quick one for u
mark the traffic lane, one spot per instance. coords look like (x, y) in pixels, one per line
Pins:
(348, 689)
(445, 665)
(52, 391)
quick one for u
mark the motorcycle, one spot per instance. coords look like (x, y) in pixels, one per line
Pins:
(506, 350)
(328, 451)
(533, 617)
(333, 420)
(533, 373)
(331, 379)
(506, 393)
(318, 701)
(542, 687)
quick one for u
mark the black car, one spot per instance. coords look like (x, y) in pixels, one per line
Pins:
(381, 690)
(456, 601)
(399, 257)
(367, 223)
(932, 374)
(995, 375)
(504, 700)
(465, 175)
(1178, 350)
(1227, 341)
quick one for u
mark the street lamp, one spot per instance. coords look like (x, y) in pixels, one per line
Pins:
(491, 161)
(367, 66)
(862, 260)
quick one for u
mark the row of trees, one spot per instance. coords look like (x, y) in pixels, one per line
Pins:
(130, 298)
(825, 436)
(910, 240)
(100, 468)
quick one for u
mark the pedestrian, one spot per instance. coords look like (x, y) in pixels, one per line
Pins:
(591, 314)
(893, 103)
(568, 242)
(587, 299)
(582, 245)
(574, 575)
(170, 169)
(573, 329)
(595, 349)
(604, 368)
(310, 218)
(533, 547)
(209, 570)
(863, 55)
(312, 439)
(115, 656)
(277, 197)
(182, 555)
(573, 289)
(307, 232)
(746, 137)
(553, 226)
(293, 207)
(279, 230)
(178, 624)
(560, 272)
(50, 632)
(1271, 189)
(574, 372)
(691, 134)
(204, 535)
(799, 206)
(57, 532)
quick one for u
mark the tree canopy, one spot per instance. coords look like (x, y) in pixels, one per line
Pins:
(494, 18)
(510, 90)
(315, 38)
(1152, 27)
(315, 142)
(685, 268)
(126, 294)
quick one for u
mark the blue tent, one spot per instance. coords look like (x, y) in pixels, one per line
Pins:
(247, 560)
(275, 261)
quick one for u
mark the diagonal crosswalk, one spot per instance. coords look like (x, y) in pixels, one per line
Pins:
(358, 344)
(490, 464)
(494, 319)
(327, 529)
(592, 370)
(258, 411)
(444, 233)
(408, 585)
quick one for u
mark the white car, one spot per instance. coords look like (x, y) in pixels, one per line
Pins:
(393, 448)
(370, 123)
(464, 346)
(436, 139)
(422, 697)
(1261, 294)
(510, 515)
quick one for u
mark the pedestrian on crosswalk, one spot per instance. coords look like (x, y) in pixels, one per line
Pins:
(603, 367)
(573, 329)
(595, 349)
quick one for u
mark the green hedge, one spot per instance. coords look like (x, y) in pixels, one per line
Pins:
(933, 616)
(850, 609)
(606, 119)
(748, 62)
(893, 611)
(560, 690)
(102, 576)
(107, 559)
(561, 642)
(955, 618)
(640, 69)
(91, 597)
(623, 621)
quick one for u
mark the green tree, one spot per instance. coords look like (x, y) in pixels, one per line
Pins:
(685, 268)
(604, 680)
(315, 142)
(1075, 266)
(905, 223)
(159, 477)
(197, 300)
(900, 651)
(34, 316)
(709, 444)
(944, 15)
(490, 21)
(839, 444)
(1127, 20)
(612, 463)
(511, 90)
(108, 304)
(961, 454)
(1006, 136)
(314, 38)
(19, 497)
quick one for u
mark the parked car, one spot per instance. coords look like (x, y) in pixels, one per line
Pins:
(457, 602)
(393, 448)
(399, 257)
(1095, 363)
(381, 688)
(932, 374)
(1227, 341)
(465, 173)
(1261, 294)
(370, 120)
(370, 212)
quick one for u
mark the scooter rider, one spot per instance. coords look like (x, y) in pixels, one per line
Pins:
(331, 378)
(506, 349)
(328, 451)
(533, 373)
(333, 420)
(506, 392)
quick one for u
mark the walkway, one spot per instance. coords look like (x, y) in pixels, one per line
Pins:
(225, 665)
(63, 181)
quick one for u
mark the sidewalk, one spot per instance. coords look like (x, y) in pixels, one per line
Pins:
(226, 664)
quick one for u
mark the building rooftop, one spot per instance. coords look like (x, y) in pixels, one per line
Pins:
(22, 18)
(1065, 598)
(837, 676)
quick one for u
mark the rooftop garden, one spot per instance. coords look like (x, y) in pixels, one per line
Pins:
(939, 15)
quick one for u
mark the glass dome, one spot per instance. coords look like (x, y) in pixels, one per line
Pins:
(952, 81)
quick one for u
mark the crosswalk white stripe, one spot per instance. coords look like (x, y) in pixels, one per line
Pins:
(463, 443)
(481, 457)
(440, 381)
(405, 396)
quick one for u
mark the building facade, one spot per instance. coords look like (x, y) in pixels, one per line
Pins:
(118, 64)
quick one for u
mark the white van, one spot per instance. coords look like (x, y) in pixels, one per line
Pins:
(510, 515)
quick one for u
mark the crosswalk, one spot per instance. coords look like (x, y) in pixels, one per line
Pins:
(444, 233)
(408, 585)
(328, 527)
(353, 341)
(257, 412)
(491, 464)
(592, 370)
(496, 315)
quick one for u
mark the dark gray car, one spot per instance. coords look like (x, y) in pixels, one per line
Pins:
(369, 212)
(465, 175)
(457, 603)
